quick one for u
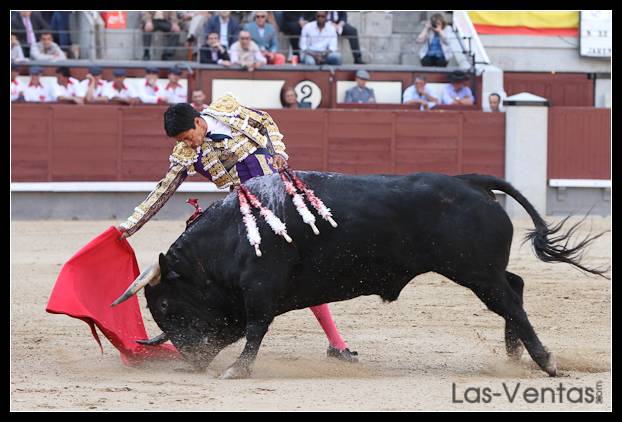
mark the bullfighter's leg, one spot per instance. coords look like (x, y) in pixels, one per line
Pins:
(258, 319)
(337, 346)
(513, 345)
(500, 298)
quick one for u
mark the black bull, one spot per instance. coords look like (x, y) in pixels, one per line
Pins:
(214, 290)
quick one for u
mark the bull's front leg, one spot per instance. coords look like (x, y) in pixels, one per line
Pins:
(241, 368)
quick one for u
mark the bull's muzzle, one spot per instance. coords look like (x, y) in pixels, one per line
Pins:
(150, 276)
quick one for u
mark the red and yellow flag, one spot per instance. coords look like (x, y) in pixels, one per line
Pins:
(526, 23)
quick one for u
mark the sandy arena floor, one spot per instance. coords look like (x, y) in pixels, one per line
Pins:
(435, 346)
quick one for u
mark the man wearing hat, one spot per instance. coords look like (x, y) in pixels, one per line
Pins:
(17, 86)
(174, 93)
(150, 92)
(456, 93)
(35, 91)
(119, 92)
(93, 86)
(360, 93)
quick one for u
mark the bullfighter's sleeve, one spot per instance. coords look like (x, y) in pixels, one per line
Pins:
(275, 135)
(182, 164)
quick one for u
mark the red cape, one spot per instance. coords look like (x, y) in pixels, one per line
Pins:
(94, 278)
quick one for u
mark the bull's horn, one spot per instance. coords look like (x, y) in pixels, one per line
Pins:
(155, 340)
(150, 276)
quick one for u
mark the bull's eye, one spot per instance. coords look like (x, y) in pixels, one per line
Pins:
(163, 305)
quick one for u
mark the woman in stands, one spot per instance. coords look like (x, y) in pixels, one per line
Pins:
(435, 38)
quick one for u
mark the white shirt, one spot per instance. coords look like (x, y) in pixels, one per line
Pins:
(73, 89)
(224, 32)
(313, 39)
(126, 91)
(174, 95)
(99, 88)
(214, 127)
(412, 94)
(38, 93)
(17, 87)
(149, 94)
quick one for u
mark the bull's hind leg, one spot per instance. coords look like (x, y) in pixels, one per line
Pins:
(513, 345)
(500, 298)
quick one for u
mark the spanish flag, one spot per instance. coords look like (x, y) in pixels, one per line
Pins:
(526, 23)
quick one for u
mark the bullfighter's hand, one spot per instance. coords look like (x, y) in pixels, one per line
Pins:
(279, 162)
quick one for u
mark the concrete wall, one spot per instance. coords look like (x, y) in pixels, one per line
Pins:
(578, 201)
(528, 53)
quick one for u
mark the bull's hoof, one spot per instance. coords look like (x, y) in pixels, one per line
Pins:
(345, 355)
(550, 367)
(235, 373)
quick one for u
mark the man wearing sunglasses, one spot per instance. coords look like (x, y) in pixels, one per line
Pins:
(318, 42)
(264, 35)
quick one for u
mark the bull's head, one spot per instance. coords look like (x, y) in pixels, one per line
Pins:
(185, 311)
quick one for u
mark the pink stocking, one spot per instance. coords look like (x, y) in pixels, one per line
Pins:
(324, 317)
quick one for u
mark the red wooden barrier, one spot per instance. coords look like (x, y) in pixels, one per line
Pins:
(58, 142)
(579, 145)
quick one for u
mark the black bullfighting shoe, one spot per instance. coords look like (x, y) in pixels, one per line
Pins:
(345, 354)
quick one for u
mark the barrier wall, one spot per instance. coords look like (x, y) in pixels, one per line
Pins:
(58, 142)
(579, 143)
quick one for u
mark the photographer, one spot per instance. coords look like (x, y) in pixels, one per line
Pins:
(435, 35)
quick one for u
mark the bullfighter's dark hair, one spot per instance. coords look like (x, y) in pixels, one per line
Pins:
(179, 118)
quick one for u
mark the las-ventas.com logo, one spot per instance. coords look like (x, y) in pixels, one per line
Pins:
(516, 393)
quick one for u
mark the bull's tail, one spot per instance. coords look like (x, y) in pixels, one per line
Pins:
(547, 248)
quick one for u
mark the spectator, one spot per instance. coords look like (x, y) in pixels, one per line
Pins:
(360, 93)
(288, 98)
(192, 21)
(292, 24)
(494, 100)
(67, 89)
(27, 25)
(166, 22)
(456, 93)
(227, 26)
(150, 92)
(60, 27)
(93, 86)
(214, 53)
(264, 35)
(339, 19)
(47, 49)
(118, 92)
(419, 94)
(318, 42)
(17, 87)
(246, 53)
(35, 91)
(198, 100)
(435, 36)
(17, 54)
(175, 93)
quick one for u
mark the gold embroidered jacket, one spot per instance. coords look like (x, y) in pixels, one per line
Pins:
(250, 129)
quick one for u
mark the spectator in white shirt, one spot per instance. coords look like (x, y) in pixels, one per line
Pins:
(47, 49)
(118, 92)
(150, 92)
(17, 54)
(174, 92)
(246, 53)
(93, 86)
(67, 89)
(318, 42)
(198, 100)
(35, 91)
(420, 95)
(17, 87)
